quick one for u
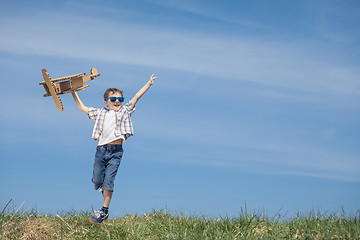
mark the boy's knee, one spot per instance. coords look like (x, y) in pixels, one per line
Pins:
(108, 187)
(97, 184)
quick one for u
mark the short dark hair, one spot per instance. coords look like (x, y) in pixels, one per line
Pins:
(111, 90)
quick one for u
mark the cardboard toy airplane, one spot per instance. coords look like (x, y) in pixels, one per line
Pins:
(57, 86)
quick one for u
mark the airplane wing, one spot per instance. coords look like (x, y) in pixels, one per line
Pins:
(63, 78)
(52, 91)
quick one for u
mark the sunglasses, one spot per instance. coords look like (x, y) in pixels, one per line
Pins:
(113, 99)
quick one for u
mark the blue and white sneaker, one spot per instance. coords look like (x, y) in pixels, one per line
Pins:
(98, 217)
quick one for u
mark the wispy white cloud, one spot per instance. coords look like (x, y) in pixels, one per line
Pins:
(269, 63)
(336, 22)
(211, 11)
(259, 147)
(270, 160)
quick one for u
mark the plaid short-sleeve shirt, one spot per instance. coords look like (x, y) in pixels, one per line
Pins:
(123, 121)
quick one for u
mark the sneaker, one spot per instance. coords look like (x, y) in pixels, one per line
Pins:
(98, 217)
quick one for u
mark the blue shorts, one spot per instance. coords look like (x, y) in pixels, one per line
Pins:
(107, 162)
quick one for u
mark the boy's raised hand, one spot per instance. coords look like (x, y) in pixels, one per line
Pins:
(152, 79)
(141, 92)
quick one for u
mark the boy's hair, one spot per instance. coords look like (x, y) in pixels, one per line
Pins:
(111, 90)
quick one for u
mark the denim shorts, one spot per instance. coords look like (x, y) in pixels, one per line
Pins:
(107, 162)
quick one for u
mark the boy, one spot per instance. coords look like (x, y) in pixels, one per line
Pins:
(112, 127)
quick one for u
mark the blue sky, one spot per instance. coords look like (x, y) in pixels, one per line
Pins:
(256, 103)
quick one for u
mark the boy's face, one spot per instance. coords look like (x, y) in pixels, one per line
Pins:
(114, 105)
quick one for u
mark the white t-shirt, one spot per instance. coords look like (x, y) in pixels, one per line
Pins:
(108, 134)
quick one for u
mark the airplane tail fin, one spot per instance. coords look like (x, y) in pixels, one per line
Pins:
(93, 71)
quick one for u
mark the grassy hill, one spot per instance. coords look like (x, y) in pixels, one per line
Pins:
(163, 225)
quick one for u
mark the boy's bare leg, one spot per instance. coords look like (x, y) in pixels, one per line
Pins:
(107, 198)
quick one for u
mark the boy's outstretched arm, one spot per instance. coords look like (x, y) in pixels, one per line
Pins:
(79, 103)
(141, 92)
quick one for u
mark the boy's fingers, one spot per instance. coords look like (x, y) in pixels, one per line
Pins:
(152, 78)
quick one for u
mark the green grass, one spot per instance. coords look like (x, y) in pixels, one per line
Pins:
(164, 225)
